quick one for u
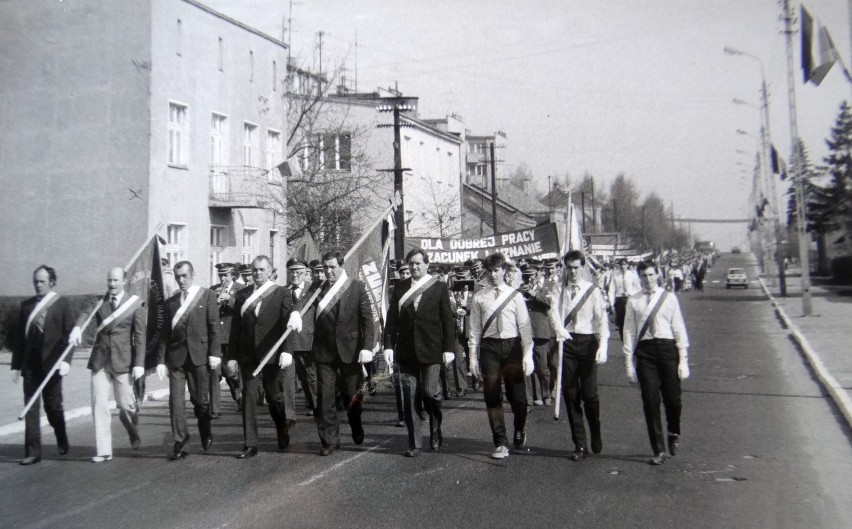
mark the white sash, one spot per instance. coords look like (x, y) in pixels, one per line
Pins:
(331, 293)
(650, 307)
(416, 288)
(581, 291)
(191, 294)
(256, 294)
(47, 299)
(119, 312)
(500, 299)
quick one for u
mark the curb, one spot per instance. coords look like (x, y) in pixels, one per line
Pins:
(841, 398)
(70, 415)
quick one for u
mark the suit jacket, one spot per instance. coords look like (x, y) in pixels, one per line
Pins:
(123, 346)
(538, 307)
(252, 336)
(345, 328)
(303, 341)
(196, 335)
(42, 349)
(422, 335)
(226, 308)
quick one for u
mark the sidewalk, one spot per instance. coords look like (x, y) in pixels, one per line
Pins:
(824, 337)
(76, 393)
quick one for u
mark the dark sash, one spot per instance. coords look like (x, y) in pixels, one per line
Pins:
(586, 295)
(650, 318)
(499, 309)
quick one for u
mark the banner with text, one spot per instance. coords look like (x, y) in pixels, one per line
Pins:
(541, 242)
(369, 263)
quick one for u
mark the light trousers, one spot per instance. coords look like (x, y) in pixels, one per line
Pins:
(125, 400)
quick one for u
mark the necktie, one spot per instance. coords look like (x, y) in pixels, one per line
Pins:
(651, 326)
(499, 318)
(183, 297)
(113, 303)
(574, 290)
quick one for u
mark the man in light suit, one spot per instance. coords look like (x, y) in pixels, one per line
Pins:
(44, 327)
(119, 346)
(343, 338)
(190, 343)
(261, 314)
(419, 336)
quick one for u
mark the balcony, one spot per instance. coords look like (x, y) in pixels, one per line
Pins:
(243, 187)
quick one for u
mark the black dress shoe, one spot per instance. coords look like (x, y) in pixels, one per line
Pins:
(412, 452)
(62, 448)
(135, 442)
(328, 450)
(240, 404)
(520, 438)
(283, 438)
(436, 439)
(30, 460)
(358, 435)
(579, 454)
(597, 444)
(207, 442)
(674, 443)
(249, 451)
(177, 455)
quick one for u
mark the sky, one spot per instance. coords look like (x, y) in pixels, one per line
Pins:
(640, 88)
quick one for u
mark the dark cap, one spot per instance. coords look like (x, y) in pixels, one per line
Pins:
(316, 264)
(296, 264)
(244, 269)
(224, 268)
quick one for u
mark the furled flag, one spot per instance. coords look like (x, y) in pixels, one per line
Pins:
(145, 279)
(827, 54)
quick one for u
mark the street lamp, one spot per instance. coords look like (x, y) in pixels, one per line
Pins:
(397, 105)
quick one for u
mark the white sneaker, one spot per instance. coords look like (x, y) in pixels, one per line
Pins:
(501, 452)
(101, 459)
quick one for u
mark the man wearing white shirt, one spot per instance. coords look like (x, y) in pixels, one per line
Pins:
(623, 284)
(655, 331)
(579, 319)
(501, 350)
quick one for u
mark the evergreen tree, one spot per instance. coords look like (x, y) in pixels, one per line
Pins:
(835, 208)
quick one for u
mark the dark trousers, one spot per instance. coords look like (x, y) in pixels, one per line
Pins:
(233, 381)
(539, 381)
(349, 378)
(197, 378)
(620, 313)
(500, 361)
(452, 375)
(580, 387)
(656, 369)
(306, 372)
(419, 386)
(52, 396)
(280, 387)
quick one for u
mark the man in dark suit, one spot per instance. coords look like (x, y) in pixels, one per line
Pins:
(119, 345)
(419, 336)
(43, 332)
(226, 291)
(538, 305)
(261, 314)
(343, 336)
(190, 343)
(300, 343)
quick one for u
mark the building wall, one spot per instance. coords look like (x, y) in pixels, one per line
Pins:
(242, 83)
(74, 92)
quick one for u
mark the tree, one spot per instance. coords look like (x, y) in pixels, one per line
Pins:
(836, 208)
(624, 199)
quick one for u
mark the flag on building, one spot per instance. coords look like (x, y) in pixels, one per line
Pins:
(145, 279)
(812, 71)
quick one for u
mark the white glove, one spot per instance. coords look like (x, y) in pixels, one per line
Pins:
(161, 371)
(461, 312)
(233, 368)
(475, 370)
(601, 355)
(528, 365)
(16, 374)
(631, 369)
(562, 334)
(389, 356)
(64, 368)
(138, 372)
(214, 361)
(449, 357)
(295, 321)
(683, 368)
(366, 356)
(285, 360)
(76, 336)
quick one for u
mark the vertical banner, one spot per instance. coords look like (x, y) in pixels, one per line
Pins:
(145, 279)
(368, 263)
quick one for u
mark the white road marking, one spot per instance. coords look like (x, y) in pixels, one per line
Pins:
(344, 462)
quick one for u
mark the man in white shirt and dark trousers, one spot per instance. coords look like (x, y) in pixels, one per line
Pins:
(501, 349)
(654, 332)
(579, 319)
(623, 284)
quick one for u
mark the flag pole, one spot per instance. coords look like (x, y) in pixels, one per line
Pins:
(313, 298)
(70, 347)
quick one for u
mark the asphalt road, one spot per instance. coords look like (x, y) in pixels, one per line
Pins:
(762, 447)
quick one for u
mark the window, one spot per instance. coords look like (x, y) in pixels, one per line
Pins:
(480, 170)
(218, 140)
(334, 151)
(218, 236)
(175, 243)
(178, 135)
(179, 44)
(249, 134)
(273, 235)
(274, 76)
(249, 244)
(251, 66)
(273, 154)
(221, 55)
(215, 258)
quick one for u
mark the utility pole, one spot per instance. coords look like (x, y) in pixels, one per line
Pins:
(804, 258)
(583, 210)
(321, 33)
(594, 216)
(397, 105)
(493, 191)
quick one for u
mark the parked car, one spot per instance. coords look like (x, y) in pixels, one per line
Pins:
(736, 278)
(736, 249)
